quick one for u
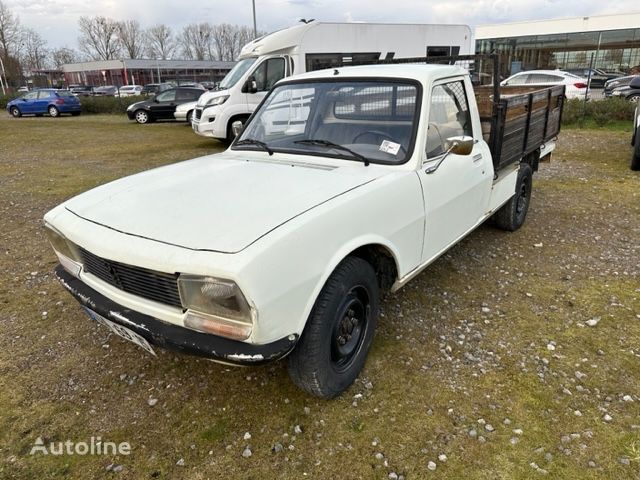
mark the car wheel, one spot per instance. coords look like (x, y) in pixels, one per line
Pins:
(512, 214)
(189, 116)
(634, 98)
(53, 111)
(142, 117)
(635, 159)
(230, 135)
(15, 112)
(335, 342)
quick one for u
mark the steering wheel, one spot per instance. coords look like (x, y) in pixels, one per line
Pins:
(378, 134)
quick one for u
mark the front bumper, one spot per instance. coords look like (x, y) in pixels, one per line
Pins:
(174, 337)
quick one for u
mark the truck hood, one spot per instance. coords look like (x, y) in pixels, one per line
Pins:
(219, 203)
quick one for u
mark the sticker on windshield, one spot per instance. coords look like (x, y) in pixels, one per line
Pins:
(389, 147)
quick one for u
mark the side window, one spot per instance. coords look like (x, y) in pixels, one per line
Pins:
(44, 94)
(448, 116)
(187, 95)
(31, 96)
(519, 80)
(268, 73)
(168, 96)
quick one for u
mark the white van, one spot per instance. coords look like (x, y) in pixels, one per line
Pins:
(316, 46)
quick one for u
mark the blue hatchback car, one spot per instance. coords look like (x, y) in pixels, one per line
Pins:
(51, 101)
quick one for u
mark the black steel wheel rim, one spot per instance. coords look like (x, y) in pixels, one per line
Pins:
(349, 328)
(521, 203)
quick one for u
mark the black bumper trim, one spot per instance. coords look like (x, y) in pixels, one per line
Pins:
(174, 337)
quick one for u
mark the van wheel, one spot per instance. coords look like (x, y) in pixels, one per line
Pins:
(635, 159)
(230, 136)
(512, 214)
(335, 342)
(15, 112)
(53, 111)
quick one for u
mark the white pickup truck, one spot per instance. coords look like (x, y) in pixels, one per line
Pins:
(343, 184)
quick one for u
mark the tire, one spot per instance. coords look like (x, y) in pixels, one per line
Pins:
(634, 98)
(334, 344)
(15, 112)
(142, 117)
(635, 158)
(512, 214)
(53, 111)
(230, 136)
(189, 117)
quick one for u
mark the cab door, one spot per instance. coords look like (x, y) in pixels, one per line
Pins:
(265, 75)
(456, 188)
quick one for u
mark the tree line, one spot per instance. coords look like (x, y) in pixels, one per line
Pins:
(23, 50)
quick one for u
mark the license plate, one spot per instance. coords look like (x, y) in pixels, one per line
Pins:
(121, 331)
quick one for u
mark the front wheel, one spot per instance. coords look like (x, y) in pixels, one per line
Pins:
(335, 342)
(15, 112)
(142, 117)
(512, 214)
(53, 111)
(635, 159)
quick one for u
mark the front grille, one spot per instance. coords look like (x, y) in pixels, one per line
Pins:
(157, 286)
(198, 113)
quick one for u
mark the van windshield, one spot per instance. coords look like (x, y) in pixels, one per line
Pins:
(362, 120)
(237, 72)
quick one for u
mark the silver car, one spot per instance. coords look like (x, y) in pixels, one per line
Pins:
(184, 112)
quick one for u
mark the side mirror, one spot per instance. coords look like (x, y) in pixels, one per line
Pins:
(250, 86)
(462, 145)
(236, 128)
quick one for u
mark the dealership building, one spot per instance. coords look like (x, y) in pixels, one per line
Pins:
(612, 41)
(144, 71)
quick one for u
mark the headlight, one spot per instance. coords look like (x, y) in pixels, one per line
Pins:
(216, 101)
(215, 306)
(65, 250)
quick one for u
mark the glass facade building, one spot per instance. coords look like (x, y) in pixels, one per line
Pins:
(612, 49)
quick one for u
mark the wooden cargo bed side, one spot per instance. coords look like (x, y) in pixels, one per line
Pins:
(523, 120)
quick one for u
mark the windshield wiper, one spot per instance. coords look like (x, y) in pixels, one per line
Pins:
(253, 141)
(337, 146)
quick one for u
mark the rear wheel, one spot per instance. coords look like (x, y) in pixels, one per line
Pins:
(189, 116)
(142, 117)
(53, 111)
(512, 214)
(335, 342)
(15, 112)
(635, 159)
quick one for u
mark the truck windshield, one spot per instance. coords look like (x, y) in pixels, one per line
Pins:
(362, 120)
(236, 73)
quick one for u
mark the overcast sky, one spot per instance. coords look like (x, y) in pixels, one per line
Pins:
(56, 20)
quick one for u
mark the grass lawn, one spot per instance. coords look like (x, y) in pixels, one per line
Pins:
(487, 358)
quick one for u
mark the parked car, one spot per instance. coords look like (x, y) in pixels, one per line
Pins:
(130, 90)
(38, 102)
(209, 85)
(106, 91)
(598, 77)
(23, 89)
(343, 184)
(630, 92)
(575, 87)
(83, 90)
(184, 112)
(163, 105)
(617, 82)
(151, 89)
(635, 140)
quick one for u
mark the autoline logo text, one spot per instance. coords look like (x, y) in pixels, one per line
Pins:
(95, 446)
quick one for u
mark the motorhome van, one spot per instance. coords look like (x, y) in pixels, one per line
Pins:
(315, 46)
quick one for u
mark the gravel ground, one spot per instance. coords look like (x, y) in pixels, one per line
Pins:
(513, 356)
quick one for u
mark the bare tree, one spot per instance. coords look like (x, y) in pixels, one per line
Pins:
(160, 42)
(62, 56)
(34, 50)
(197, 40)
(229, 40)
(10, 43)
(99, 37)
(131, 38)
